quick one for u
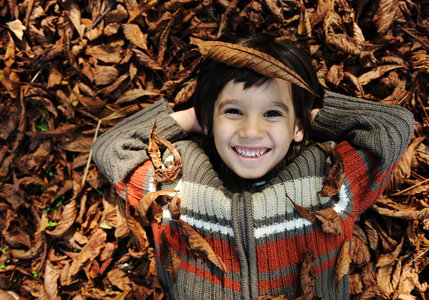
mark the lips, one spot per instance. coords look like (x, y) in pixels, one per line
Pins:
(251, 152)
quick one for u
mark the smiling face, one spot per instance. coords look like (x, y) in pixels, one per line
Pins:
(254, 127)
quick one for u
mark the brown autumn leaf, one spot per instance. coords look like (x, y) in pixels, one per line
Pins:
(104, 75)
(175, 207)
(148, 199)
(200, 246)
(163, 175)
(68, 217)
(134, 34)
(331, 185)
(106, 53)
(389, 258)
(239, 56)
(147, 61)
(331, 221)
(132, 95)
(91, 250)
(360, 254)
(367, 77)
(403, 170)
(17, 28)
(385, 15)
(307, 274)
(51, 275)
(169, 258)
(343, 262)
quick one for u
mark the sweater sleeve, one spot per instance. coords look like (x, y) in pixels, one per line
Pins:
(371, 138)
(384, 130)
(124, 147)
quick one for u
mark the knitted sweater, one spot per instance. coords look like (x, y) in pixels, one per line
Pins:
(256, 231)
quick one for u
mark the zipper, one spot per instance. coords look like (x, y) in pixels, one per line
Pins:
(243, 226)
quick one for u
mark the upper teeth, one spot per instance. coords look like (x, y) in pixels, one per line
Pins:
(250, 153)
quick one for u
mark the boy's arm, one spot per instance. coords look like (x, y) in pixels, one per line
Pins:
(385, 130)
(124, 147)
(371, 138)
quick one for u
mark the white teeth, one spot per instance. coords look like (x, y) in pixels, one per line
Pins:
(250, 153)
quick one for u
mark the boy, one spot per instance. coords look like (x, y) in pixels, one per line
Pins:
(236, 187)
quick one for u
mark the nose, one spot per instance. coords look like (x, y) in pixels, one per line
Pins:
(251, 129)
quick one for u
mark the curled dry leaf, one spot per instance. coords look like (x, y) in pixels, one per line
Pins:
(240, 57)
(68, 217)
(331, 185)
(168, 256)
(343, 262)
(307, 274)
(134, 34)
(17, 28)
(163, 175)
(389, 258)
(148, 199)
(200, 246)
(331, 221)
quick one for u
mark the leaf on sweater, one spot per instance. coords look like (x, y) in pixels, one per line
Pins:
(307, 277)
(148, 200)
(168, 257)
(175, 207)
(331, 185)
(200, 246)
(163, 175)
(343, 262)
(331, 221)
(240, 57)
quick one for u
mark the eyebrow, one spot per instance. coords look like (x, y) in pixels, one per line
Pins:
(274, 103)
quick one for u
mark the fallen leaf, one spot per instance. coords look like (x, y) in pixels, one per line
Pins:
(17, 28)
(134, 34)
(239, 56)
(343, 262)
(200, 246)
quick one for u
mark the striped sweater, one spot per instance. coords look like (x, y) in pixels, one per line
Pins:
(254, 229)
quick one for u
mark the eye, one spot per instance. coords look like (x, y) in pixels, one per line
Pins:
(232, 111)
(272, 113)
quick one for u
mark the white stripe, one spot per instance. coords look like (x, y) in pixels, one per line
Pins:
(301, 222)
(201, 224)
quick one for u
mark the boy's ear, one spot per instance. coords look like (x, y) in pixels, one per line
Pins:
(298, 134)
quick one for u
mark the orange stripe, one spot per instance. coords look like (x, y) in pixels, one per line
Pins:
(135, 184)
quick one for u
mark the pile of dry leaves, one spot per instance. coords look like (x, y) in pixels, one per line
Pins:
(72, 68)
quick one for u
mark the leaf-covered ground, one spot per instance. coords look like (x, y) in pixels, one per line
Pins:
(70, 69)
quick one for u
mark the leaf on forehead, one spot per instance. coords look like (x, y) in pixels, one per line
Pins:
(343, 262)
(244, 57)
(200, 246)
(331, 185)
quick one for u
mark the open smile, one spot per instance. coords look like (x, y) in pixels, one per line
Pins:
(251, 152)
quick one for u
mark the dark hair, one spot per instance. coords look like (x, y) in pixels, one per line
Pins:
(213, 76)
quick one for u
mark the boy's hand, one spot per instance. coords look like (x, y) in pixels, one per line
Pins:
(314, 113)
(187, 120)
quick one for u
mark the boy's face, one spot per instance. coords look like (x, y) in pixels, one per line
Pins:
(253, 128)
